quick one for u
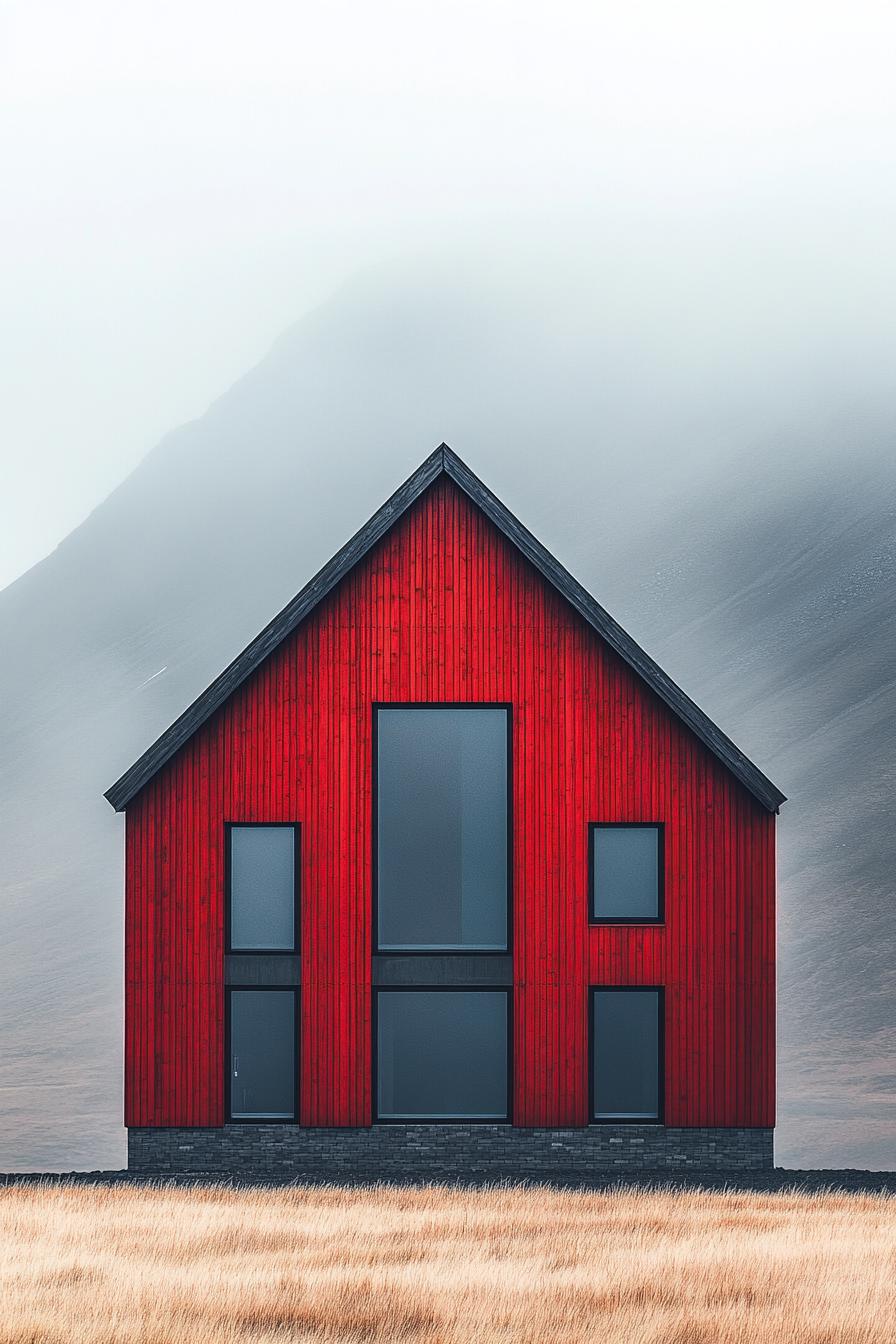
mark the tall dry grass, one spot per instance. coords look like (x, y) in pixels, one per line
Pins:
(162, 1265)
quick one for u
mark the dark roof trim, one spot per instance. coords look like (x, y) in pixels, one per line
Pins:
(442, 461)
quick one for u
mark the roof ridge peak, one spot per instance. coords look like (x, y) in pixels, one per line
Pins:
(443, 460)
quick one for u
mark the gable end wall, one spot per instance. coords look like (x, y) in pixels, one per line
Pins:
(446, 609)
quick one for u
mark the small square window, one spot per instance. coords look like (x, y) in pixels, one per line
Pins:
(626, 874)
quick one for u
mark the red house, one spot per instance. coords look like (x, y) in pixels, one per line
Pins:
(443, 875)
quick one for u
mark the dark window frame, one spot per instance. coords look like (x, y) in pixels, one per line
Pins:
(660, 828)
(229, 949)
(659, 1118)
(377, 990)
(296, 992)
(379, 949)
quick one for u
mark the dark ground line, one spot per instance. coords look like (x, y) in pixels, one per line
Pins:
(779, 1179)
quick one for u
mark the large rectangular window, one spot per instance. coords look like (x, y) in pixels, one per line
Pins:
(442, 828)
(262, 895)
(442, 1054)
(626, 873)
(626, 1044)
(263, 1064)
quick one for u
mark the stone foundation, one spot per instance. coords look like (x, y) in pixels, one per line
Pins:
(421, 1152)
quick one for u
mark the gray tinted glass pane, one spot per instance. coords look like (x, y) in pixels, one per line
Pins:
(442, 1055)
(262, 887)
(626, 1054)
(626, 872)
(442, 828)
(262, 1054)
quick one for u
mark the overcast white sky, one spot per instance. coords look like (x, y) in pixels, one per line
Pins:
(180, 181)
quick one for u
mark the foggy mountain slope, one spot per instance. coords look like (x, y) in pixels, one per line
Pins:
(765, 586)
(791, 642)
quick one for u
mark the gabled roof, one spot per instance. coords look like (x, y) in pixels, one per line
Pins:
(442, 462)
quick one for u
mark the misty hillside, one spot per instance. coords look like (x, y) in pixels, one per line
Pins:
(748, 541)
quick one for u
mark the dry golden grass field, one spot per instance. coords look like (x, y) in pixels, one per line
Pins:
(169, 1265)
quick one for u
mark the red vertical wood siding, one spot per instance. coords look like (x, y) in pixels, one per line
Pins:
(445, 608)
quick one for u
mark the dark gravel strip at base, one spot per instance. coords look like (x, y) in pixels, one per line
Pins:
(779, 1179)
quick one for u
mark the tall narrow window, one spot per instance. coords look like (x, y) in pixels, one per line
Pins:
(263, 888)
(626, 874)
(442, 1054)
(263, 1066)
(626, 1037)
(442, 828)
